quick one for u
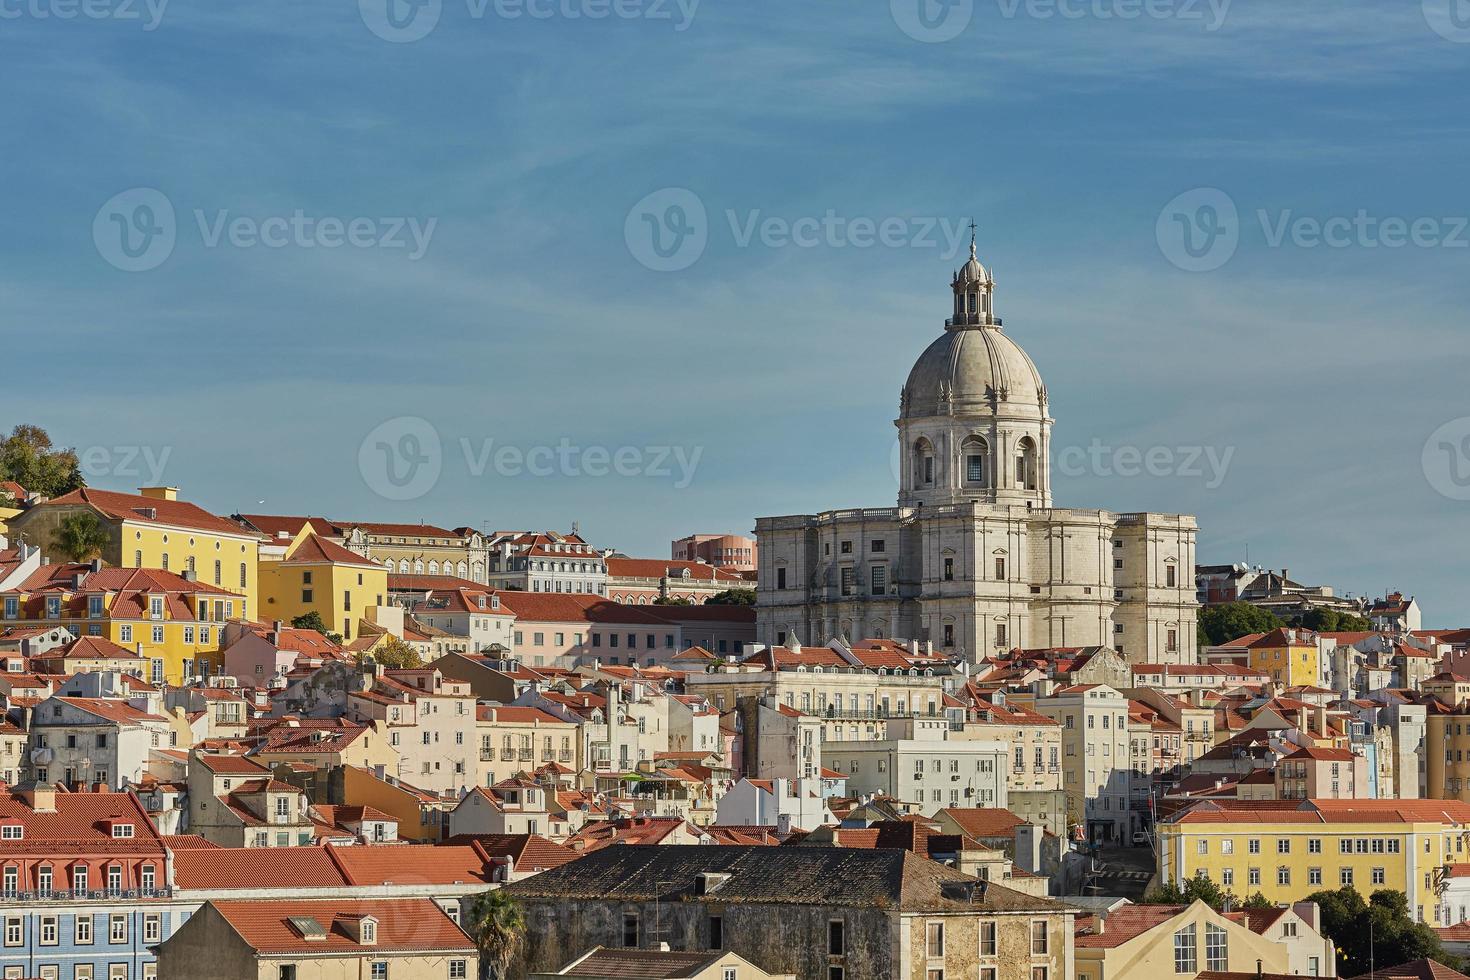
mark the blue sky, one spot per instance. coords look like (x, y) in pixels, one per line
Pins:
(1332, 375)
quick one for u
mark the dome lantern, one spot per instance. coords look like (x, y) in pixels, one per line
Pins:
(973, 288)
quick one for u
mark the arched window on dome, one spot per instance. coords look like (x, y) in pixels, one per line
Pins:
(1026, 464)
(977, 461)
(924, 463)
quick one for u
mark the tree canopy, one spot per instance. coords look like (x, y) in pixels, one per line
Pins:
(732, 597)
(1384, 921)
(397, 654)
(1230, 620)
(498, 926)
(80, 536)
(313, 621)
(1331, 621)
(1200, 888)
(28, 458)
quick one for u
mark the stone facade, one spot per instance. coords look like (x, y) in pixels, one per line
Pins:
(870, 913)
(975, 558)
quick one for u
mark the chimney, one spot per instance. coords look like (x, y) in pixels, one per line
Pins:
(160, 493)
(40, 797)
(1028, 848)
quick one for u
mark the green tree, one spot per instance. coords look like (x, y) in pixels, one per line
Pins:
(499, 927)
(672, 600)
(1376, 933)
(1225, 622)
(1258, 901)
(1200, 888)
(1332, 621)
(313, 621)
(732, 597)
(28, 458)
(80, 536)
(397, 654)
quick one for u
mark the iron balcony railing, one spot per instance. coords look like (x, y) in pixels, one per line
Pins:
(85, 894)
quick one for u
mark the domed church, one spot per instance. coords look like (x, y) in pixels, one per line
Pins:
(975, 559)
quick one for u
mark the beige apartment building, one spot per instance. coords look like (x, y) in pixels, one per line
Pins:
(855, 690)
(515, 739)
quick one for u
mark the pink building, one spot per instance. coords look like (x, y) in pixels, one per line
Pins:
(731, 551)
(1319, 773)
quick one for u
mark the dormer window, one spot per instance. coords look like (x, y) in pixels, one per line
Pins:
(12, 831)
(155, 607)
(94, 606)
(53, 606)
(368, 931)
(122, 830)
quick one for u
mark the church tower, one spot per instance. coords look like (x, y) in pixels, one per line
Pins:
(973, 423)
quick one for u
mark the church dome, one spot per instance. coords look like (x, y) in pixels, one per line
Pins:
(973, 272)
(972, 369)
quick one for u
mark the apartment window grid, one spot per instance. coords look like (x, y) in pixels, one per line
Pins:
(1217, 947)
(1185, 953)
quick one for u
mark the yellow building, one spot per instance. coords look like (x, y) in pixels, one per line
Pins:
(153, 529)
(421, 815)
(316, 575)
(1289, 656)
(172, 623)
(1287, 849)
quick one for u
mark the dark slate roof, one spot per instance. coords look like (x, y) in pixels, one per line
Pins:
(832, 876)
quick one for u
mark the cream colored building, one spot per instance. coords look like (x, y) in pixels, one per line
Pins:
(520, 739)
(975, 558)
(337, 939)
(1096, 758)
(1166, 941)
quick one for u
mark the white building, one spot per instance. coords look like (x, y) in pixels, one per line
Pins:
(926, 769)
(783, 803)
(1096, 765)
(975, 558)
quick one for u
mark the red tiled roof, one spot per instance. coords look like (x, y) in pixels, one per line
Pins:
(246, 867)
(1126, 923)
(981, 822)
(404, 924)
(231, 765)
(317, 550)
(515, 714)
(134, 507)
(81, 820)
(400, 864)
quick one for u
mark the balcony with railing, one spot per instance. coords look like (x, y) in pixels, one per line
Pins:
(85, 894)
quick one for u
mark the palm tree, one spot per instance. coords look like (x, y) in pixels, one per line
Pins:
(498, 926)
(80, 536)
